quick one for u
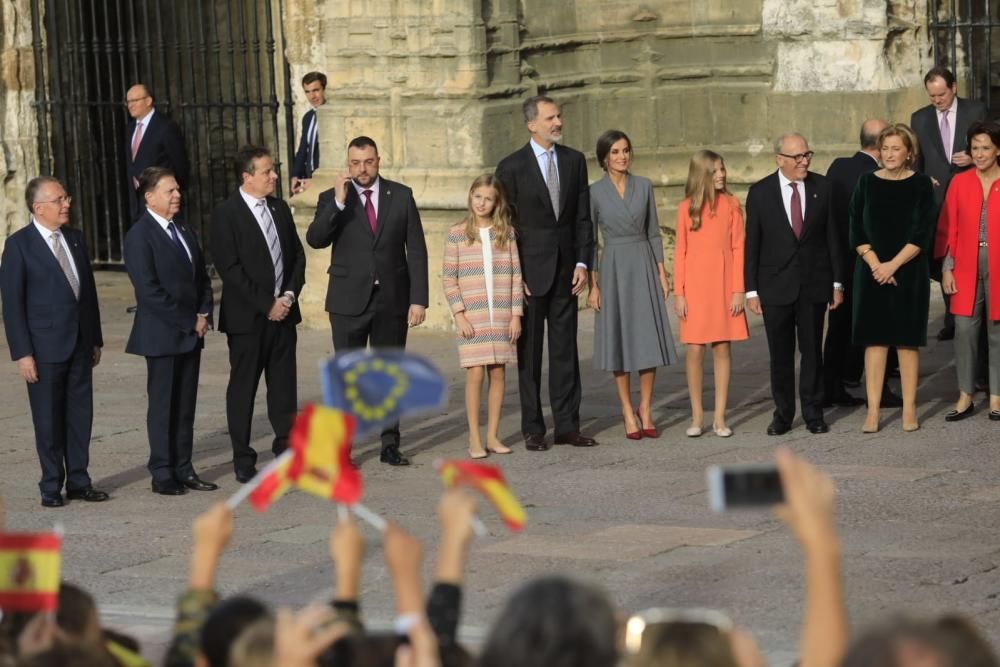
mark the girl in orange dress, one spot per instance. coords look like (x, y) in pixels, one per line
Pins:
(481, 275)
(708, 282)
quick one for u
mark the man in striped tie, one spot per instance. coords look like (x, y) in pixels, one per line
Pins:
(260, 259)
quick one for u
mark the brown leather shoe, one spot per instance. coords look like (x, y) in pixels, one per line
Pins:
(575, 439)
(535, 442)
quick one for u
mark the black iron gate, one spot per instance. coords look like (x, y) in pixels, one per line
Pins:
(211, 65)
(966, 38)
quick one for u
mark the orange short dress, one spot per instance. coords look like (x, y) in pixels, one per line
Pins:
(708, 270)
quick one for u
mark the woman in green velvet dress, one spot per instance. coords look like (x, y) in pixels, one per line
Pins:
(892, 230)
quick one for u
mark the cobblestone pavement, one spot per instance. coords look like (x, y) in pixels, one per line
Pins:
(918, 512)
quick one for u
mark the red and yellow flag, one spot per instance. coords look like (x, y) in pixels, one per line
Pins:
(489, 481)
(29, 571)
(320, 464)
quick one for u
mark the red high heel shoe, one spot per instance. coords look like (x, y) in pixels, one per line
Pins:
(647, 432)
(634, 435)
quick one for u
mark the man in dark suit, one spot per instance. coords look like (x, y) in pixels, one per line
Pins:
(174, 297)
(307, 155)
(151, 140)
(378, 266)
(260, 259)
(53, 326)
(941, 127)
(547, 187)
(793, 270)
(842, 360)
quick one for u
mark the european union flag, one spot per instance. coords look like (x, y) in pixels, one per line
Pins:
(379, 386)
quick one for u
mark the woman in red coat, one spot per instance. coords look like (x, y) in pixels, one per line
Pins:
(969, 241)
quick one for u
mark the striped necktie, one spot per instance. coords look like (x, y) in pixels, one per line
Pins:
(273, 244)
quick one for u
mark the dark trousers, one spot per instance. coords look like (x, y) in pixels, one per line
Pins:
(270, 351)
(380, 325)
(62, 410)
(172, 386)
(802, 321)
(842, 360)
(560, 311)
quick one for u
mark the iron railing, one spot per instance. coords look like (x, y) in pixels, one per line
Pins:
(965, 36)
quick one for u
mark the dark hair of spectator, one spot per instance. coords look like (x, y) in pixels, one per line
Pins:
(68, 655)
(314, 76)
(604, 143)
(363, 142)
(940, 73)
(554, 622)
(151, 177)
(224, 625)
(530, 106)
(245, 157)
(76, 611)
(988, 127)
(34, 185)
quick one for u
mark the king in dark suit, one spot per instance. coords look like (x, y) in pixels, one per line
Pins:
(151, 140)
(174, 297)
(53, 326)
(547, 187)
(307, 156)
(793, 269)
(260, 259)
(378, 266)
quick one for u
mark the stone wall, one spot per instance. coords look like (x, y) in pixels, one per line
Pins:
(18, 126)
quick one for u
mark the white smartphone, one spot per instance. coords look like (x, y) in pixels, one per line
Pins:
(745, 486)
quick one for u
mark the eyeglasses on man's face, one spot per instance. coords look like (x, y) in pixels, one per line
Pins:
(799, 157)
(135, 100)
(65, 199)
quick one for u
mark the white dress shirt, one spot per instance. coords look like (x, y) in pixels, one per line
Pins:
(145, 126)
(163, 222)
(47, 235)
(484, 240)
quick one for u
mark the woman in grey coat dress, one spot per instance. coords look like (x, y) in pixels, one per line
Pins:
(630, 287)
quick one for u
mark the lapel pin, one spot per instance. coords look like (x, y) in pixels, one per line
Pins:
(814, 195)
(388, 192)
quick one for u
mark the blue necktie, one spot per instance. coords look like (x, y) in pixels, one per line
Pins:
(177, 243)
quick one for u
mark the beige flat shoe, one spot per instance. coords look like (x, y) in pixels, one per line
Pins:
(723, 432)
(694, 431)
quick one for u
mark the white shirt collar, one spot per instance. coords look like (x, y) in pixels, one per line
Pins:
(45, 231)
(145, 119)
(374, 187)
(785, 181)
(160, 220)
(251, 201)
(538, 149)
(953, 109)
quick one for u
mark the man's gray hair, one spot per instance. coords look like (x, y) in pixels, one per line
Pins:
(781, 140)
(530, 106)
(34, 185)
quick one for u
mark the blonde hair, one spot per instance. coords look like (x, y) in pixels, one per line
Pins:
(503, 229)
(700, 188)
(909, 138)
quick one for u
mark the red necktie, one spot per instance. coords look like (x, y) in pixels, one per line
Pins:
(796, 211)
(369, 209)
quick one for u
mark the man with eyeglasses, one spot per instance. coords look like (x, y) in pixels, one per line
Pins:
(792, 274)
(53, 327)
(151, 140)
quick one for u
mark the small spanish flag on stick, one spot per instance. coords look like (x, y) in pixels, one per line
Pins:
(489, 481)
(29, 571)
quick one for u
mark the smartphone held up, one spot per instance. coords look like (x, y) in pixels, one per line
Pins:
(754, 486)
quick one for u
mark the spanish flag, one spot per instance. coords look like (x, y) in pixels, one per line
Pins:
(320, 461)
(489, 481)
(29, 571)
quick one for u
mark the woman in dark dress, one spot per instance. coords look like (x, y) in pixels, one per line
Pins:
(892, 230)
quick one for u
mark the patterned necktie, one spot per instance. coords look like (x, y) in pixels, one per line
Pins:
(369, 209)
(273, 244)
(552, 180)
(796, 211)
(172, 228)
(946, 135)
(63, 260)
(136, 140)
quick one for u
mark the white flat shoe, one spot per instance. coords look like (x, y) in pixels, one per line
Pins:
(694, 431)
(723, 432)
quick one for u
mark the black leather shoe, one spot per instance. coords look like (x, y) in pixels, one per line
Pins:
(890, 399)
(778, 427)
(53, 501)
(817, 426)
(90, 495)
(392, 456)
(244, 475)
(946, 333)
(168, 488)
(535, 442)
(956, 416)
(195, 483)
(575, 439)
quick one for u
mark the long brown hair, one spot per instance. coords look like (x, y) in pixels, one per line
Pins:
(700, 188)
(503, 230)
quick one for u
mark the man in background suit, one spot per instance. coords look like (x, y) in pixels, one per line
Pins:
(262, 264)
(307, 155)
(378, 265)
(53, 326)
(941, 127)
(793, 270)
(174, 297)
(151, 140)
(547, 187)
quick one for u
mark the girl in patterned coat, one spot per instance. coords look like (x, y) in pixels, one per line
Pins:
(482, 282)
